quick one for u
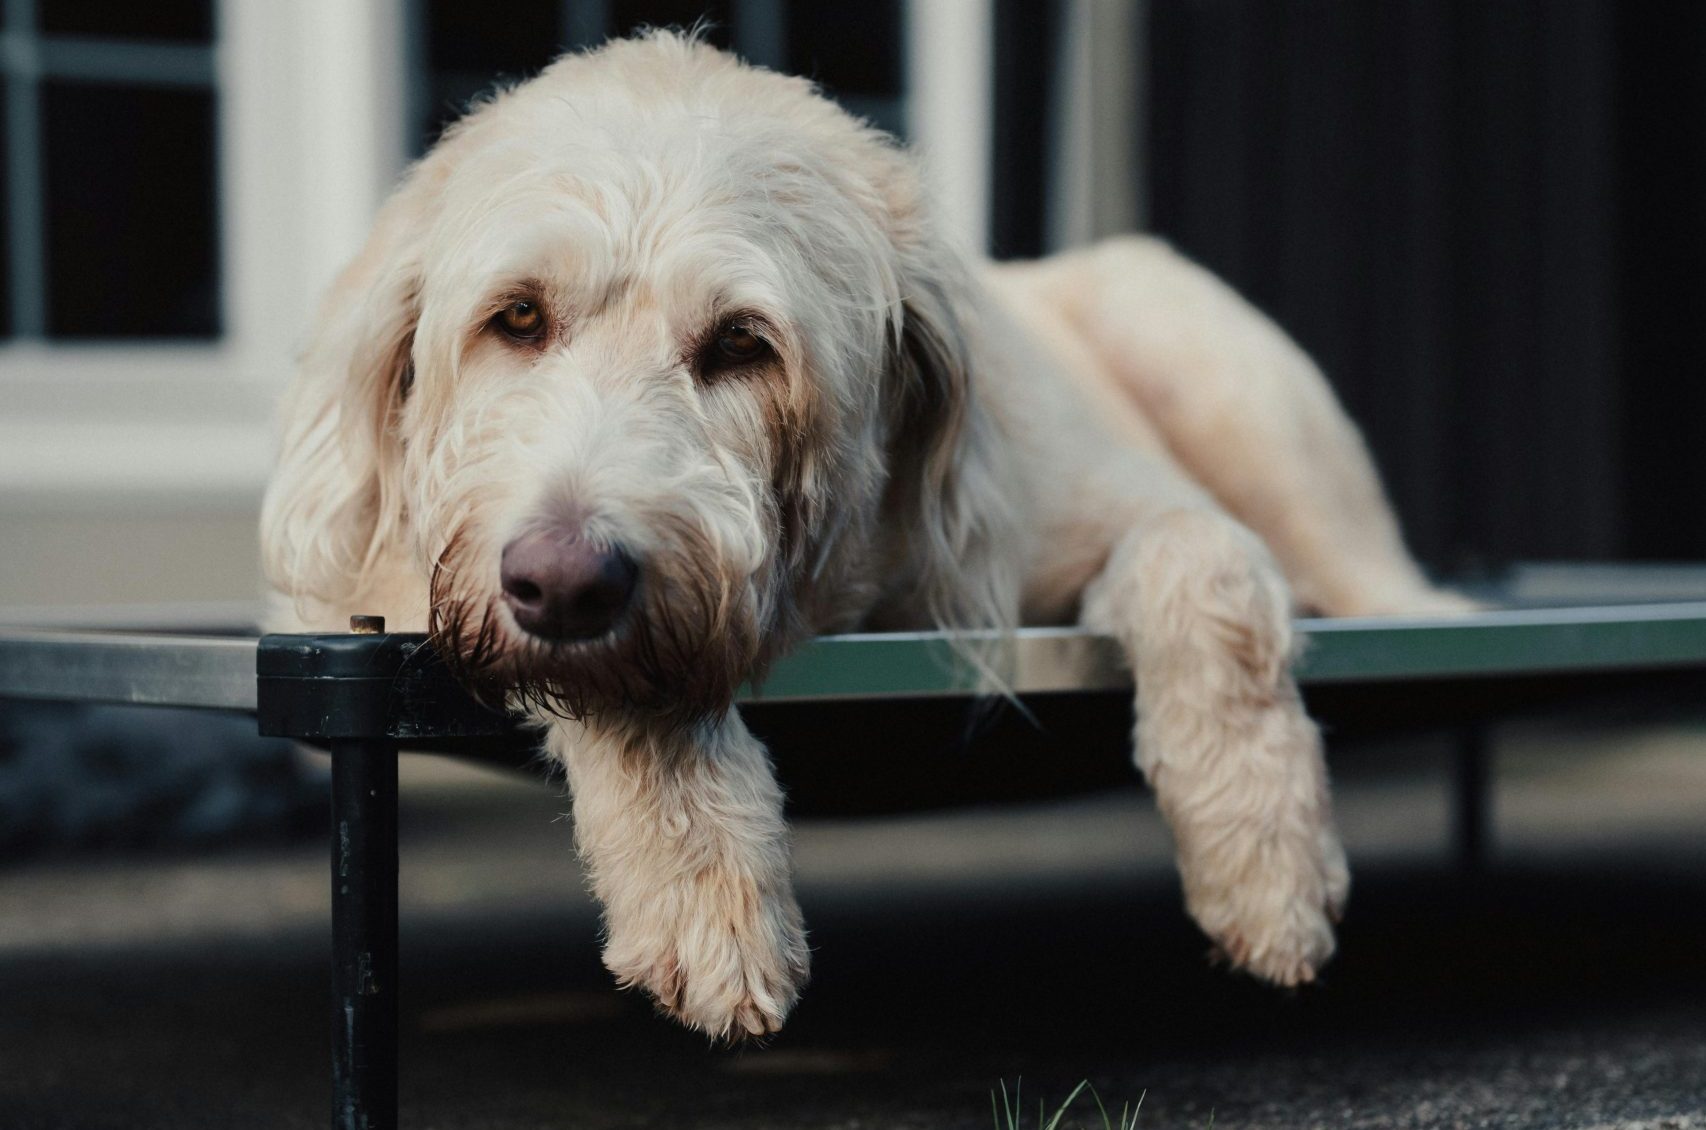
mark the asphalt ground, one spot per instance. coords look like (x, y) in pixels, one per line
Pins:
(1563, 985)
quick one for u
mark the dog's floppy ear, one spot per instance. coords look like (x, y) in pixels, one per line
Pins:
(333, 506)
(942, 439)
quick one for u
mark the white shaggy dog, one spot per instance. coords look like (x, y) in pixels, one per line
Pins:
(657, 365)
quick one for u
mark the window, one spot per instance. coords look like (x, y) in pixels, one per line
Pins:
(855, 51)
(111, 218)
(921, 69)
(178, 184)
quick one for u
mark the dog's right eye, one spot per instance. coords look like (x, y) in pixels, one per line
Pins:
(738, 345)
(522, 320)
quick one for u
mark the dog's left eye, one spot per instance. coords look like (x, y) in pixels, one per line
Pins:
(523, 320)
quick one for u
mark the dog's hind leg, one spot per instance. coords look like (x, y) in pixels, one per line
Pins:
(1222, 737)
(1246, 412)
(682, 837)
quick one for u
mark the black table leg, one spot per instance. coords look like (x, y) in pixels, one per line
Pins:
(364, 935)
(1472, 816)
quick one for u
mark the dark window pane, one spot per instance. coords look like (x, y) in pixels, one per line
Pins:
(515, 37)
(628, 15)
(179, 21)
(1027, 36)
(851, 50)
(448, 97)
(469, 47)
(132, 223)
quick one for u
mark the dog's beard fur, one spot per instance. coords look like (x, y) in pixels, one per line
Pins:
(677, 658)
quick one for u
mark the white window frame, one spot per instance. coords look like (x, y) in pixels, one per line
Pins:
(950, 108)
(311, 136)
(1096, 178)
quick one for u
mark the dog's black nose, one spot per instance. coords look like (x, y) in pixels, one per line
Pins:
(559, 586)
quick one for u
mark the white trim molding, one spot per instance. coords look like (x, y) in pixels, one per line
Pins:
(950, 82)
(1096, 182)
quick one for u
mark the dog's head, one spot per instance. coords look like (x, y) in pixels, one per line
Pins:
(646, 365)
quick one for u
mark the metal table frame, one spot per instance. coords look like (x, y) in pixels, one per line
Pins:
(368, 696)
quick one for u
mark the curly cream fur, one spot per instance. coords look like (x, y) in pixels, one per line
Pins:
(1111, 436)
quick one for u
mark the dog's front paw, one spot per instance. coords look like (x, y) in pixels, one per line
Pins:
(1286, 949)
(720, 954)
(1270, 908)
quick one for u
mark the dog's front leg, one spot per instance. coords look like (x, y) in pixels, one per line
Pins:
(1235, 763)
(682, 836)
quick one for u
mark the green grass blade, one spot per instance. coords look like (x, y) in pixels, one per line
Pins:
(1135, 1111)
(1054, 1123)
(1106, 1125)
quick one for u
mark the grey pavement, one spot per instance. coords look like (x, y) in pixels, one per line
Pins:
(1563, 986)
